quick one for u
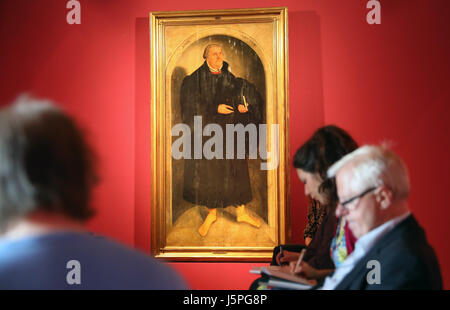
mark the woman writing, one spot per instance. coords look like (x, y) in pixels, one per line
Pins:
(332, 241)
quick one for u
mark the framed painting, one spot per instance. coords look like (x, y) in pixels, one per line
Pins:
(219, 151)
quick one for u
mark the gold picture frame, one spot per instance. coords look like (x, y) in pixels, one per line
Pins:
(253, 43)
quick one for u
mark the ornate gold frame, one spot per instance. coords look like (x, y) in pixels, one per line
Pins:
(170, 33)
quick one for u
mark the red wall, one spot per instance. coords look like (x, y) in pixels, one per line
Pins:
(383, 82)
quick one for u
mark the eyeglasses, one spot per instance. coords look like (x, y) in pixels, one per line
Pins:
(345, 203)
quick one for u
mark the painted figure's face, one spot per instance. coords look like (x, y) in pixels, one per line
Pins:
(215, 57)
(312, 183)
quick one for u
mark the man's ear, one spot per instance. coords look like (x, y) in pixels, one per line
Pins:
(384, 197)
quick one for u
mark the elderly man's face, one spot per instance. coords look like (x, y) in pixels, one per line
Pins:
(215, 57)
(362, 214)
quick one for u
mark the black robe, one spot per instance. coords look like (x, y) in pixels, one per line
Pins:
(217, 183)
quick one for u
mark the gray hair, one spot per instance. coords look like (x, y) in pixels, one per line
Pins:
(45, 163)
(375, 166)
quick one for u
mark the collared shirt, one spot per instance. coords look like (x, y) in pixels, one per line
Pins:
(362, 247)
(214, 70)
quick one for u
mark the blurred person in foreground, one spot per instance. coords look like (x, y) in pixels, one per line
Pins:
(391, 251)
(47, 172)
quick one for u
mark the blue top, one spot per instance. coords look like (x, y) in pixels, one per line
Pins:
(52, 261)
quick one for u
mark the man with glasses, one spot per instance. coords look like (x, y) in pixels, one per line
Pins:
(392, 251)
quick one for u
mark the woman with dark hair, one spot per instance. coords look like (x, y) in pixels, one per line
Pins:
(331, 241)
(312, 160)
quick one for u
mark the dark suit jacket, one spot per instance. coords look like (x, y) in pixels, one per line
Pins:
(407, 261)
(217, 183)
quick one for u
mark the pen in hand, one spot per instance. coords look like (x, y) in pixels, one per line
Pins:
(300, 258)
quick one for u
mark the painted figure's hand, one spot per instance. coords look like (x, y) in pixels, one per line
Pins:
(225, 109)
(242, 108)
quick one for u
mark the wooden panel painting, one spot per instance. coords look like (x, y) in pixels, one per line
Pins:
(219, 111)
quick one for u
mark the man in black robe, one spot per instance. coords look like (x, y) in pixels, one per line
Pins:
(216, 95)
